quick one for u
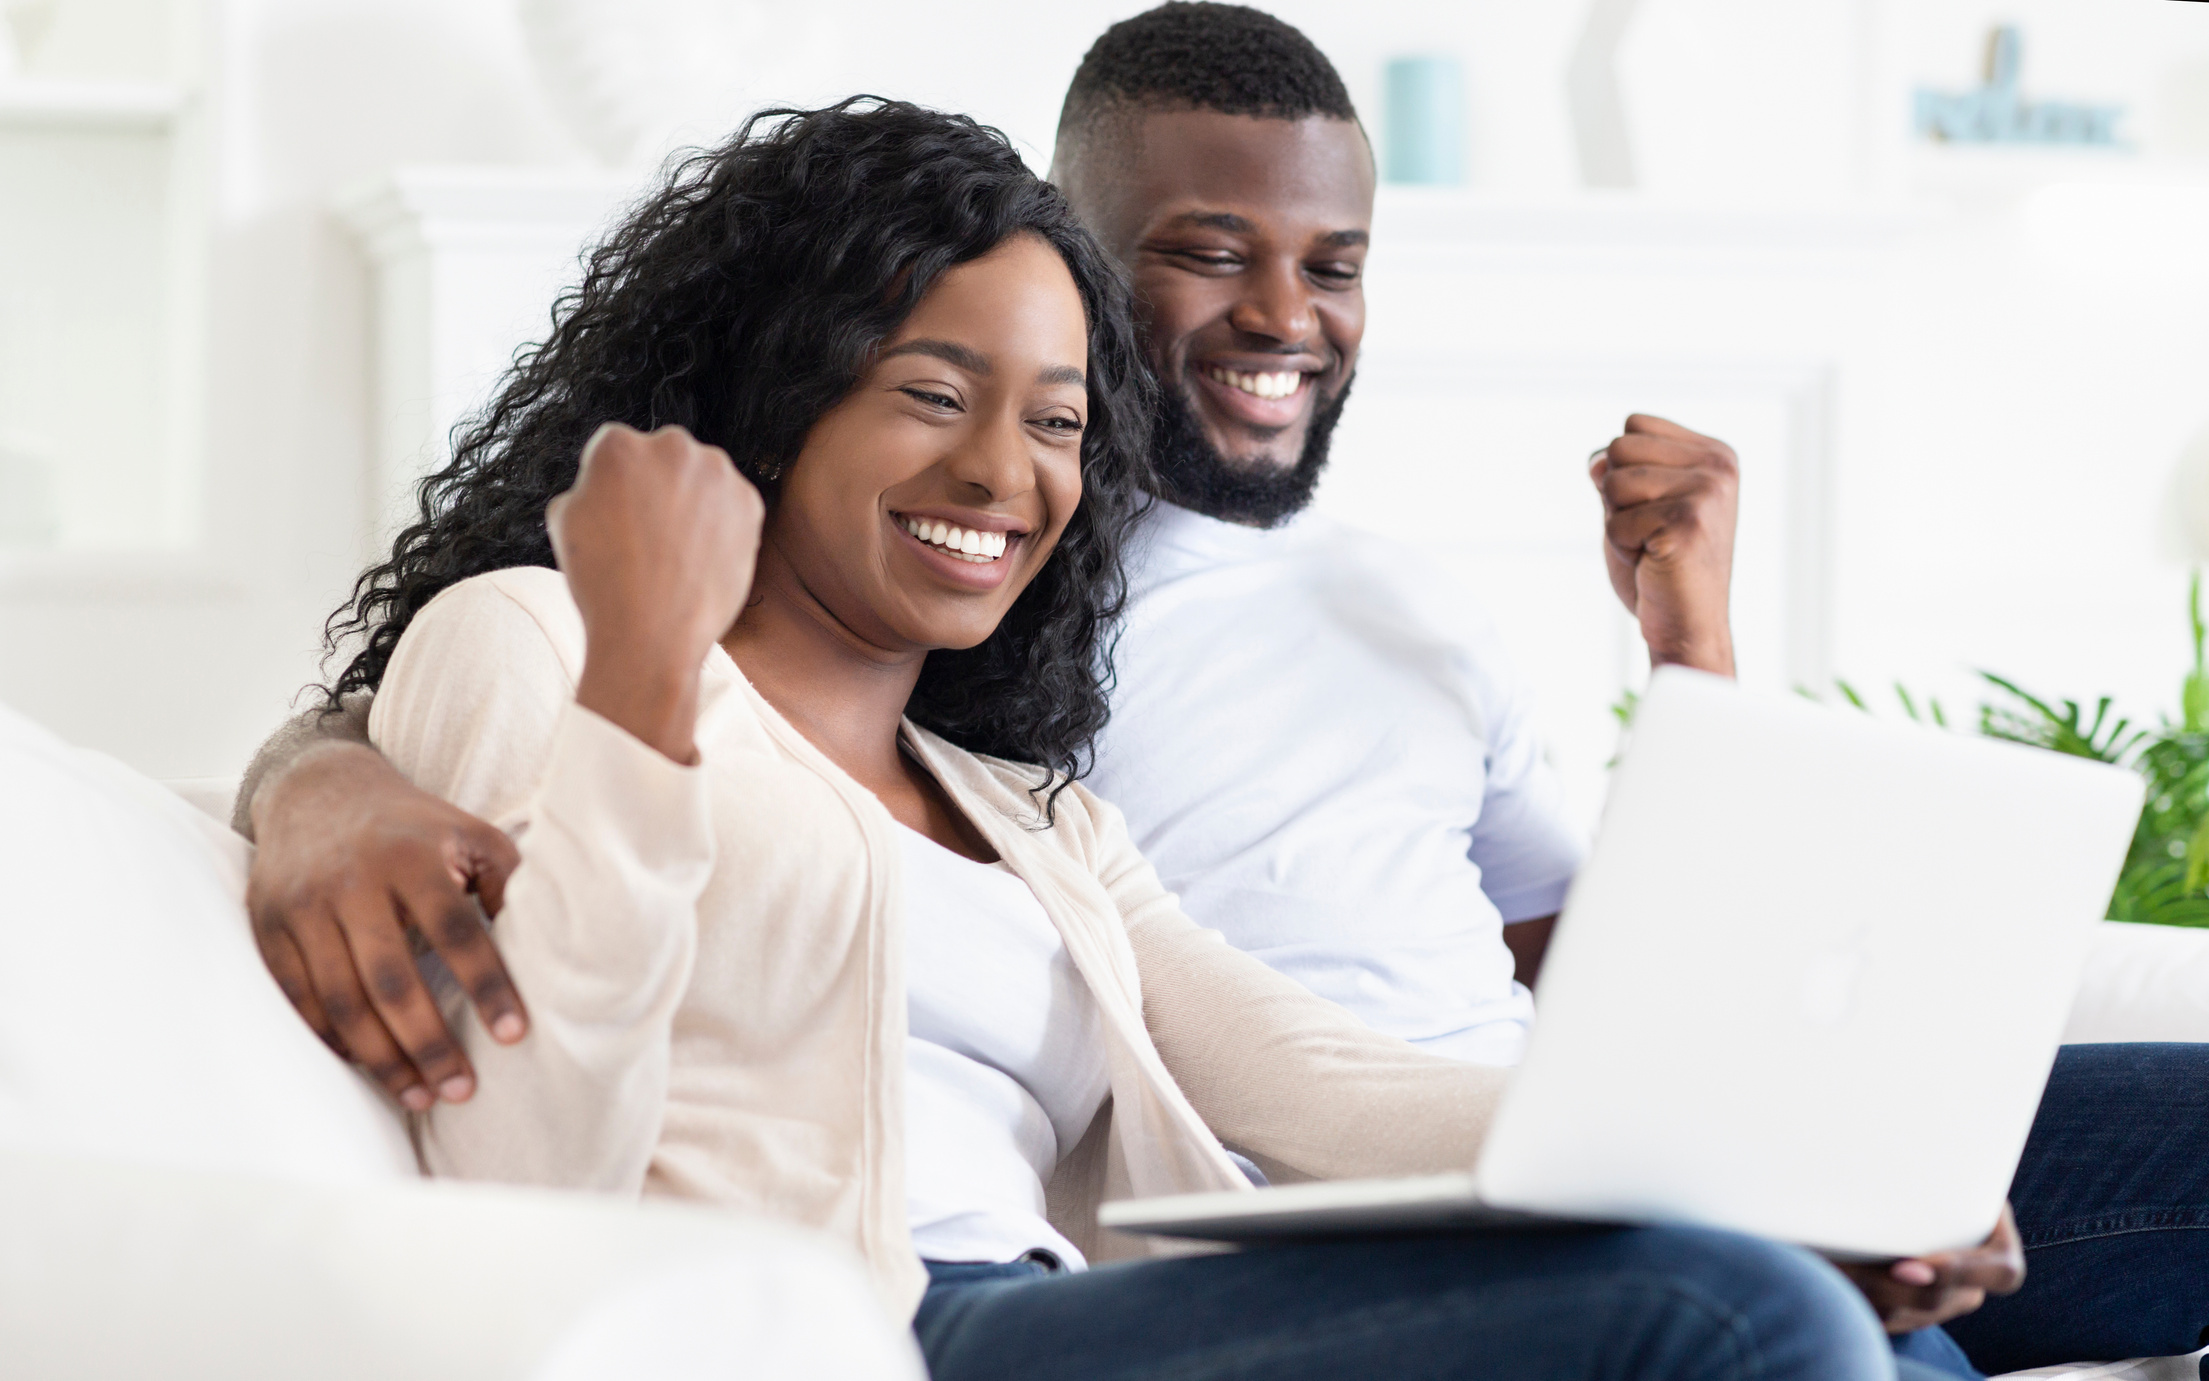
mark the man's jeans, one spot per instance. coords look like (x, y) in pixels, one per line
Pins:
(1614, 1304)
(2112, 1198)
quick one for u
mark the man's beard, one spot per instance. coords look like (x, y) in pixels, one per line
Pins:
(1193, 473)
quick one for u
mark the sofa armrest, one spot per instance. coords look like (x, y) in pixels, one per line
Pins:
(111, 1271)
(2143, 983)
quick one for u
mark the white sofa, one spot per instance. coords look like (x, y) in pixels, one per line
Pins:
(191, 1186)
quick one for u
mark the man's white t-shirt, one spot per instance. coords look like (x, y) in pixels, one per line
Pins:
(1318, 743)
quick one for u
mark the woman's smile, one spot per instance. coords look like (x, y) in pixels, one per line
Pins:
(974, 554)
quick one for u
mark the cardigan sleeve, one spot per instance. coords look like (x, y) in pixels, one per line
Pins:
(599, 927)
(1278, 1073)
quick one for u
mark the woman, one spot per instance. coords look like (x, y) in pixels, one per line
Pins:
(840, 440)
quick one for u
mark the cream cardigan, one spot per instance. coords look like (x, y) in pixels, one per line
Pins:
(711, 960)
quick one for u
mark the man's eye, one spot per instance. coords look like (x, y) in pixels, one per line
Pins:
(1210, 259)
(1335, 273)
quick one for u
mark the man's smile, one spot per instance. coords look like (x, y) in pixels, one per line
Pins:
(1267, 400)
(1269, 385)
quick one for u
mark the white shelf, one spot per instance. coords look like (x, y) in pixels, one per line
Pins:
(94, 107)
(1636, 221)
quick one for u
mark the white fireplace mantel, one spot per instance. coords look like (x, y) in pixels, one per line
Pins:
(467, 262)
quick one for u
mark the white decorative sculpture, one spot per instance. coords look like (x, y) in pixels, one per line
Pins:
(26, 22)
(634, 78)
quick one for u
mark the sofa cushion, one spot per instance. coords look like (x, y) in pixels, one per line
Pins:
(136, 1018)
(2187, 1368)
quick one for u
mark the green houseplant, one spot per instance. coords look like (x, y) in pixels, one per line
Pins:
(2166, 875)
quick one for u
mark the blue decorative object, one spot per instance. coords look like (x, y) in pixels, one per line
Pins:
(1426, 121)
(1997, 114)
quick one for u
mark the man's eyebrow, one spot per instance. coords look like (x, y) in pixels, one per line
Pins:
(965, 357)
(1241, 225)
(1217, 220)
(1062, 374)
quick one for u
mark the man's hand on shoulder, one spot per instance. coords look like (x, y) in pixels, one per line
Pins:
(1669, 499)
(351, 858)
(1924, 1291)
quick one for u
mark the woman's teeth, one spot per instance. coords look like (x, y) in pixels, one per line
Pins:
(1279, 385)
(961, 542)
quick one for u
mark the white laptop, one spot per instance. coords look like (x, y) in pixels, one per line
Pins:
(1809, 985)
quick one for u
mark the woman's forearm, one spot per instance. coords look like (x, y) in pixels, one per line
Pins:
(1295, 1081)
(646, 693)
(1277, 1072)
(600, 930)
(599, 924)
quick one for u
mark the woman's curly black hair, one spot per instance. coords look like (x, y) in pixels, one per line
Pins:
(743, 300)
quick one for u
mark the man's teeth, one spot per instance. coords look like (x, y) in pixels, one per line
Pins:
(1279, 385)
(953, 540)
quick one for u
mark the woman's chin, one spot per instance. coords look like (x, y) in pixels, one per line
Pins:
(947, 631)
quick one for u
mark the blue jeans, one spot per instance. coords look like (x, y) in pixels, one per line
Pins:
(1630, 1304)
(2112, 1199)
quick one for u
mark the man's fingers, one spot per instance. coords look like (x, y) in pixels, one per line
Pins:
(375, 933)
(1702, 453)
(1984, 1268)
(2009, 1245)
(290, 972)
(1648, 424)
(491, 859)
(450, 919)
(1623, 486)
(330, 965)
(1903, 1308)
(1658, 528)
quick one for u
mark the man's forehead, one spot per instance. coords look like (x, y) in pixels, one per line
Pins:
(1248, 174)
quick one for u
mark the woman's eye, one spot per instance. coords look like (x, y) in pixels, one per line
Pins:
(932, 398)
(1060, 424)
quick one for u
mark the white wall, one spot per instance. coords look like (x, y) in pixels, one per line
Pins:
(2015, 377)
(181, 662)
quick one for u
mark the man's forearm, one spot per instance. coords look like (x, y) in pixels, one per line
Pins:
(1528, 942)
(348, 724)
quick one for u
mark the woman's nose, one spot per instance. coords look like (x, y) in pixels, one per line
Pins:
(995, 459)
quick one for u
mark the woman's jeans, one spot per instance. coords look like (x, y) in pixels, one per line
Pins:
(1634, 1304)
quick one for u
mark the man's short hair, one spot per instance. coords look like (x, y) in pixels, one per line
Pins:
(1199, 55)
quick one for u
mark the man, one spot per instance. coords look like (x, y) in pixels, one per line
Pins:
(1317, 745)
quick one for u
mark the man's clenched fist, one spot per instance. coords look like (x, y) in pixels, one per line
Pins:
(1669, 500)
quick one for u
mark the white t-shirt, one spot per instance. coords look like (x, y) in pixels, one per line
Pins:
(1004, 1061)
(1317, 742)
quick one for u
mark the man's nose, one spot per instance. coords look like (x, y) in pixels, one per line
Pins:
(1276, 303)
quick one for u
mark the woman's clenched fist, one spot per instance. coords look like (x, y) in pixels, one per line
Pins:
(658, 539)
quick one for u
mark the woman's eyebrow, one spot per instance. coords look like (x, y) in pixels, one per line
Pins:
(965, 357)
(1062, 374)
